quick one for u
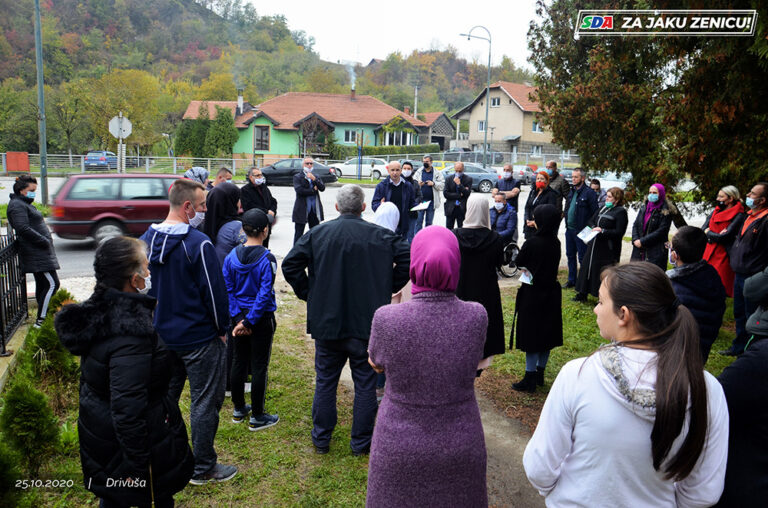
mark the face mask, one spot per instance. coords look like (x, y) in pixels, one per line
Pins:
(751, 203)
(721, 205)
(259, 181)
(609, 204)
(499, 206)
(426, 164)
(198, 219)
(541, 185)
(307, 171)
(507, 175)
(147, 284)
(31, 194)
(407, 173)
(549, 172)
(653, 198)
(671, 259)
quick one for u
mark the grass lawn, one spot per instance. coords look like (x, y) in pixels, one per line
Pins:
(356, 181)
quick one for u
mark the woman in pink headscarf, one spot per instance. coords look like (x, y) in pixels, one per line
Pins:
(428, 447)
(651, 228)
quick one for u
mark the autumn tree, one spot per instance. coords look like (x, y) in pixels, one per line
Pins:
(221, 136)
(67, 113)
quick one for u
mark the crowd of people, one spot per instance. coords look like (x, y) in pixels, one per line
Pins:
(418, 305)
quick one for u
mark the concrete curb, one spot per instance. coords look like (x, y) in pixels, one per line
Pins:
(7, 363)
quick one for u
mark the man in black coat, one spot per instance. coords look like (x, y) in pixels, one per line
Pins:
(354, 268)
(579, 208)
(308, 207)
(456, 193)
(255, 194)
(697, 284)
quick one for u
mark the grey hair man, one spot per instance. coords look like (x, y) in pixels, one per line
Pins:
(345, 269)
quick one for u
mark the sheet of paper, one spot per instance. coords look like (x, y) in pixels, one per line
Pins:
(525, 276)
(422, 206)
(586, 235)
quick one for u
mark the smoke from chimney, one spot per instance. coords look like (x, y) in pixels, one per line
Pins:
(239, 101)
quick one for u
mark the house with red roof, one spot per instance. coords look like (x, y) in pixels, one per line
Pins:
(297, 123)
(513, 122)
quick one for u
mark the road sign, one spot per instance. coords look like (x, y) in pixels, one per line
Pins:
(120, 127)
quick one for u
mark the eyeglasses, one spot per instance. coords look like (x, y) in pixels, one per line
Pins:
(309, 163)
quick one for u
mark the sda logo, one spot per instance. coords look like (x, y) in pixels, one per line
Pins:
(597, 22)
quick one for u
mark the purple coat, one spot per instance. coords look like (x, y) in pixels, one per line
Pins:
(428, 447)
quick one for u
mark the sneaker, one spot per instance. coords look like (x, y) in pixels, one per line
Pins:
(262, 422)
(38, 323)
(238, 415)
(322, 450)
(228, 394)
(219, 473)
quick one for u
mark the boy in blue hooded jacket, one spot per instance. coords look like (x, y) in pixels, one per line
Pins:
(249, 274)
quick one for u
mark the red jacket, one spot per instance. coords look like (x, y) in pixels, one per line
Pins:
(723, 226)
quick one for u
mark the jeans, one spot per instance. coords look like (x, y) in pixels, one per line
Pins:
(411, 229)
(573, 246)
(256, 350)
(534, 360)
(742, 309)
(428, 214)
(205, 367)
(312, 220)
(330, 357)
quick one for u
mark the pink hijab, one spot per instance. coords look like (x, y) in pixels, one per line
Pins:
(435, 260)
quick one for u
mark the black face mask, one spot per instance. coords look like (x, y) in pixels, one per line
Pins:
(721, 205)
(426, 164)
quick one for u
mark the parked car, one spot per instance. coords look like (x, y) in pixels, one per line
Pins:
(102, 206)
(524, 173)
(492, 158)
(567, 174)
(416, 164)
(610, 179)
(282, 171)
(100, 159)
(377, 167)
(440, 165)
(483, 179)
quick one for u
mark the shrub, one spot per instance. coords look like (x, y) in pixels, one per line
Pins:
(29, 426)
(61, 298)
(50, 357)
(70, 442)
(9, 473)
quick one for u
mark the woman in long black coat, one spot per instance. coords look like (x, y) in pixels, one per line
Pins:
(133, 441)
(538, 306)
(482, 252)
(604, 249)
(541, 194)
(36, 253)
(651, 228)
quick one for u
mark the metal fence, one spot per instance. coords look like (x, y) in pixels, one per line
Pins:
(13, 289)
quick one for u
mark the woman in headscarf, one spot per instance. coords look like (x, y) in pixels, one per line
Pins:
(222, 219)
(482, 252)
(387, 216)
(651, 228)
(428, 447)
(541, 194)
(538, 306)
(197, 174)
(721, 227)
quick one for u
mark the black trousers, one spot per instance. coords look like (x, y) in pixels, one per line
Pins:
(457, 216)
(46, 285)
(312, 220)
(254, 350)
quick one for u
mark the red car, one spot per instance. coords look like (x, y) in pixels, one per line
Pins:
(102, 206)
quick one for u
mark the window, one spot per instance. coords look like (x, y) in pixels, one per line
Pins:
(537, 127)
(495, 102)
(481, 126)
(350, 136)
(261, 137)
(143, 188)
(536, 150)
(95, 189)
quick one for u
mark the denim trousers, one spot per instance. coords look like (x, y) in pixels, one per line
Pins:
(330, 357)
(428, 214)
(533, 360)
(206, 369)
(742, 309)
(573, 247)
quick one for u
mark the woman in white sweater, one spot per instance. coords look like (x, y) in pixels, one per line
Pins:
(639, 423)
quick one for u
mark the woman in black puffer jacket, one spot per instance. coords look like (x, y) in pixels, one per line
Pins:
(133, 442)
(36, 252)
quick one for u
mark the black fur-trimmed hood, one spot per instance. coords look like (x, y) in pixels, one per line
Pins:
(106, 314)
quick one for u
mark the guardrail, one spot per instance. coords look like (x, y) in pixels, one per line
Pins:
(13, 289)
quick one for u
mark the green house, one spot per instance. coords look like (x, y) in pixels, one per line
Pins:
(297, 123)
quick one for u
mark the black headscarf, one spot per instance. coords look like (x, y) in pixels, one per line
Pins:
(222, 208)
(547, 219)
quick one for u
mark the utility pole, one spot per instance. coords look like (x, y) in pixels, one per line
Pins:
(41, 107)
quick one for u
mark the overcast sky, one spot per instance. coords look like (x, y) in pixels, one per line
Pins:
(359, 31)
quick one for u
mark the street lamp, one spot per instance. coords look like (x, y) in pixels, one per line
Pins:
(488, 87)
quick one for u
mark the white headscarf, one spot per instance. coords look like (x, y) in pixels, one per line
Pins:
(478, 212)
(388, 216)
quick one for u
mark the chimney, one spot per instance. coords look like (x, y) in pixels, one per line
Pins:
(239, 101)
(407, 110)
(352, 94)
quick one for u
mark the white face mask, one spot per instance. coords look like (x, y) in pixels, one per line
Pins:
(147, 284)
(198, 219)
(407, 173)
(507, 175)
(259, 181)
(499, 206)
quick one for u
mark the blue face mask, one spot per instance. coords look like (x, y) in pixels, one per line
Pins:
(31, 195)
(653, 198)
(549, 172)
(750, 203)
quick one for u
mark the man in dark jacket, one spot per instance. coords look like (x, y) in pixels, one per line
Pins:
(558, 183)
(354, 268)
(748, 255)
(255, 194)
(697, 284)
(399, 192)
(456, 192)
(579, 207)
(191, 317)
(308, 207)
(503, 218)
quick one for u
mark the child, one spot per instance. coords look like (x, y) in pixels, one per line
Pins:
(249, 273)
(697, 284)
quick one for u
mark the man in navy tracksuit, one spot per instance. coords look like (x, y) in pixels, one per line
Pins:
(191, 318)
(398, 191)
(249, 273)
